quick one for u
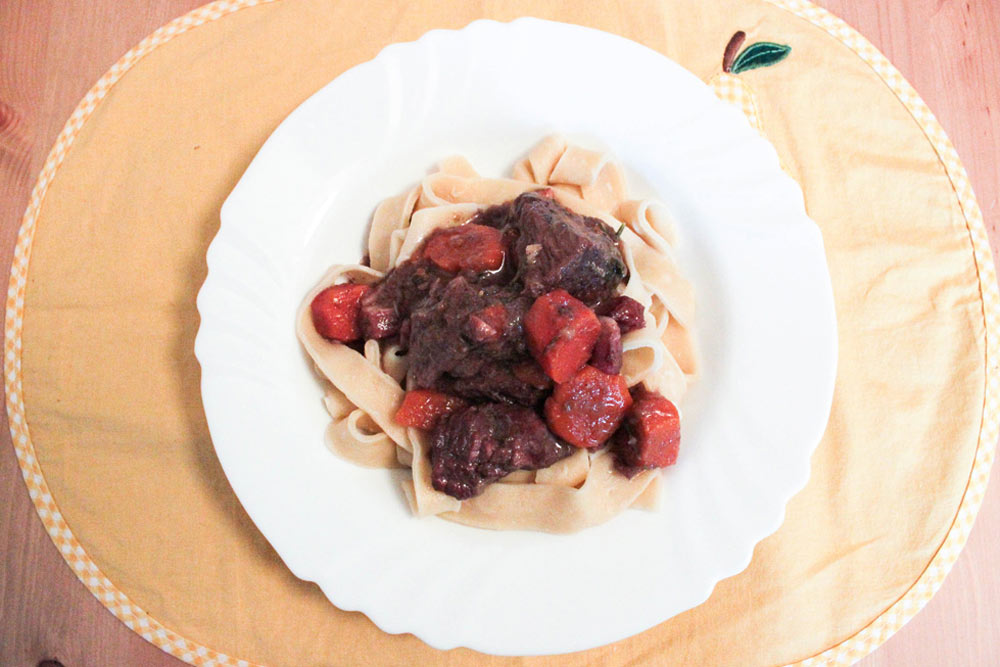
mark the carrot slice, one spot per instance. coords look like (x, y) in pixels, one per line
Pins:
(468, 247)
(589, 408)
(335, 312)
(422, 408)
(651, 434)
(561, 332)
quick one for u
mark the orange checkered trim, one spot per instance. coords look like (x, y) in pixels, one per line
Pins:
(74, 553)
(892, 619)
(729, 88)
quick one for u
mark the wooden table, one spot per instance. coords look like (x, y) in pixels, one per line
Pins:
(50, 55)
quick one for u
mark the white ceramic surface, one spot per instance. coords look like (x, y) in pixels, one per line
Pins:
(766, 324)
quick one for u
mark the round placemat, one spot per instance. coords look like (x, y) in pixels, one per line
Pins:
(99, 334)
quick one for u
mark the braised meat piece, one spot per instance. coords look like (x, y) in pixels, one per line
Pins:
(469, 342)
(626, 311)
(608, 354)
(482, 443)
(499, 382)
(385, 307)
(559, 249)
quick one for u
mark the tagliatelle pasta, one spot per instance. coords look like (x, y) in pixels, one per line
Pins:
(556, 508)
(367, 387)
(390, 216)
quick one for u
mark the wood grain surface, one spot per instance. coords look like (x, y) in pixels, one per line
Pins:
(52, 51)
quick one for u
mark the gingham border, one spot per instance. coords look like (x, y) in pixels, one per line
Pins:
(848, 651)
(731, 88)
(74, 554)
(896, 616)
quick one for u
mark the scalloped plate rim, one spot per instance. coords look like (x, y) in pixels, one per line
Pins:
(387, 619)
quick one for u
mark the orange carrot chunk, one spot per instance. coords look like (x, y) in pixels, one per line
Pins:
(468, 247)
(587, 409)
(335, 312)
(422, 408)
(650, 437)
(561, 332)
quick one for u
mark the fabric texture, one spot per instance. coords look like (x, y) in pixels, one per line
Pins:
(110, 384)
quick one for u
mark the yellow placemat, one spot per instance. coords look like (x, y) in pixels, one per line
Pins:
(99, 334)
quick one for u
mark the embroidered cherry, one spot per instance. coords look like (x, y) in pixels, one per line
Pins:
(735, 60)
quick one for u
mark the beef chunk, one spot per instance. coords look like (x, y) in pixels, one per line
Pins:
(557, 248)
(437, 342)
(608, 355)
(480, 444)
(497, 382)
(497, 216)
(469, 342)
(626, 311)
(384, 308)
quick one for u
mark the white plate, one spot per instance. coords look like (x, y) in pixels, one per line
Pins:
(490, 91)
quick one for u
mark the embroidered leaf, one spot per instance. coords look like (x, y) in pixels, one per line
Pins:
(761, 54)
